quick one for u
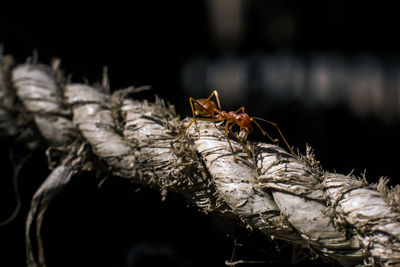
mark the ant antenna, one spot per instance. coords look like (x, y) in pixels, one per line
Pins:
(279, 130)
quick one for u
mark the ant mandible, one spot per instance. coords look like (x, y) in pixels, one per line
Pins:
(207, 108)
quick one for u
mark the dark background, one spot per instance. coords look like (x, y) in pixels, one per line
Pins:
(176, 47)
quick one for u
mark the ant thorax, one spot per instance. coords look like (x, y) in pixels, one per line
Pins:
(227, 115)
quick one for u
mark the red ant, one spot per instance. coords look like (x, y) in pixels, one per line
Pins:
(208, 108)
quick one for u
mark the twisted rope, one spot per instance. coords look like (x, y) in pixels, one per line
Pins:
(338, 217)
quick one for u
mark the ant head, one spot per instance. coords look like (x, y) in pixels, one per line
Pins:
(243, 120)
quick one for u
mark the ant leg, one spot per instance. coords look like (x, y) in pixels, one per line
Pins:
(279, 130)
(265, 132)
(191, 100)
(184, 131)
(229, 142)
(240, 109)
(241, 143)
(190, 124)
(215, 92)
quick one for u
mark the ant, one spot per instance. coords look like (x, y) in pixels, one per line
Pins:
(207, 108)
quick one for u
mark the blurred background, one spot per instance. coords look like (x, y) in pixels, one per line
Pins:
(326, 72)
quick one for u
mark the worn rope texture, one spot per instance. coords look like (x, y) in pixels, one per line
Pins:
(338, 217)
